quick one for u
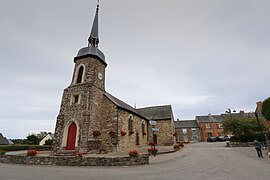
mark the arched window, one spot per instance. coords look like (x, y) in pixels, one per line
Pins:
(80, 75)
(143, 129)
(130, 123)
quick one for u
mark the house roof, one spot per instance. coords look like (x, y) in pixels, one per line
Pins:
(210, 118)
(124, 105)
(157, 112)
(242, 114)
(3, 140)
(186, 124)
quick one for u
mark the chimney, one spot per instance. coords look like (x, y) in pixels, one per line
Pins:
(259, 107)
(241, 113)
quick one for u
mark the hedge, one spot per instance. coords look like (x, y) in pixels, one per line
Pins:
(249, 138)
(24, 147)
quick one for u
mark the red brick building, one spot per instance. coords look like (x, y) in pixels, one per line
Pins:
(210, 126)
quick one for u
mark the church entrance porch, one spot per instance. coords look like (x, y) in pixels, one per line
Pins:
(71, 139)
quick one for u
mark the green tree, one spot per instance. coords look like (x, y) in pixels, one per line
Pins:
(49, 142)
(32, 139)
(266, 108)
(41, 135)
(243, 126)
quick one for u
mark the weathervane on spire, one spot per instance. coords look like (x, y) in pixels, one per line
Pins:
(97, 5)
(93, 40)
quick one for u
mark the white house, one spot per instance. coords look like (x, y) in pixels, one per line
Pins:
(48, 137)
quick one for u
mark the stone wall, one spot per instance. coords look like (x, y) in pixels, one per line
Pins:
(74, 161)
(128, 141)
(191, 136)
(107, 118)
(165, 134)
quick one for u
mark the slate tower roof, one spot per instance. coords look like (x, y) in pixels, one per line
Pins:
(93, 41)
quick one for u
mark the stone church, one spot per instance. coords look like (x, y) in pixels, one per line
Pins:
(90, 119)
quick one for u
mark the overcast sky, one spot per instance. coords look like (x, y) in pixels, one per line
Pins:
(200, 56)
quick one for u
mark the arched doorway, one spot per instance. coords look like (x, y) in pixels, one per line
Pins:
(71, 139)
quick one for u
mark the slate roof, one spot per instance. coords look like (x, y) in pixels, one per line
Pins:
(186, 124)
(3, 140)
(242, 115)
(210, 118)
(124, 105)
(154, 112)
(157, 112)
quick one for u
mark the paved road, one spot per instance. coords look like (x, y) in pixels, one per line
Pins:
(203, 161)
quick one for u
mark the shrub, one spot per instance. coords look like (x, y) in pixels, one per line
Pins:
(49, 142)
(96, 133)
(133, 153)
(2, 153)
(25, 147)
(123, 133)
(152, 150)
(181, 143)
(176, 146)
(31, 152)
(131, 132)
(249, 138)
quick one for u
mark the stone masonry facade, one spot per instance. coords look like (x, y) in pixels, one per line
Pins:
(128, 141)
(165, 134)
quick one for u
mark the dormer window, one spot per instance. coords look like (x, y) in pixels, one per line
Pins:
(80, 75)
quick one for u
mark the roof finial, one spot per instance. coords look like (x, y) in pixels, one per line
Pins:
(93, 40)
(97, 5)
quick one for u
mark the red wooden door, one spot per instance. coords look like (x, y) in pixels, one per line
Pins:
(72, 130)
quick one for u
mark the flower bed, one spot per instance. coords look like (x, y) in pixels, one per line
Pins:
(131, 132)
(123, 133)
(133, 153)
(31, 152)
(152, 150)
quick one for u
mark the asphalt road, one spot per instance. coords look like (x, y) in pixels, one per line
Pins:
(203, 161)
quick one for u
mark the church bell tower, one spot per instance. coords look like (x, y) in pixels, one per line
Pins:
(82, 99)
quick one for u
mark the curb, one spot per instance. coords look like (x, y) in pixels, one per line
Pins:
(250, 156)
(171, 159)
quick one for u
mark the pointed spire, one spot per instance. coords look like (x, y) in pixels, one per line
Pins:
(92, 49)
(93, 40)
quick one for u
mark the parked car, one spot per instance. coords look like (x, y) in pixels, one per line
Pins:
(211, 139)
(219, 139)
(226, 138)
